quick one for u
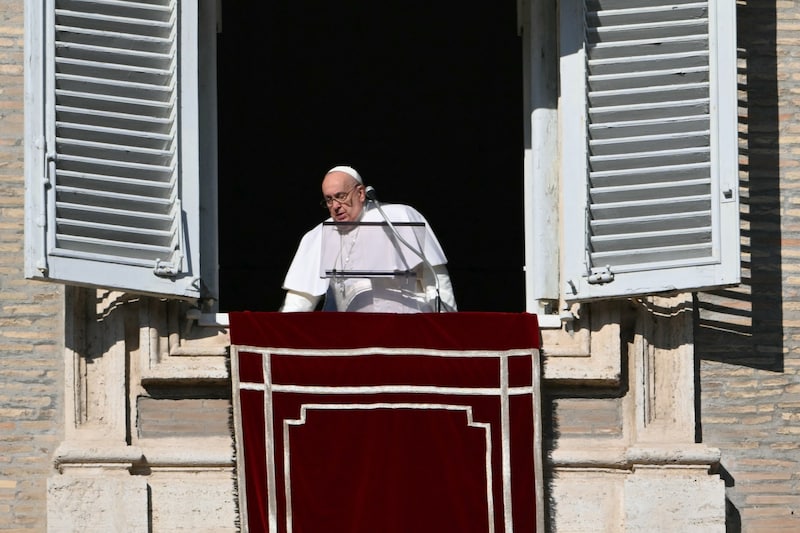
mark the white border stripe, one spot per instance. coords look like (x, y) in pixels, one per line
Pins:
(505, 425)
(467, 409)
(239, 436)
(269, 435)
(377, 350)
(391, 389)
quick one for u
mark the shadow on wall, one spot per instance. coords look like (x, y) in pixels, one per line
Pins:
(733, 519)
(742, 327)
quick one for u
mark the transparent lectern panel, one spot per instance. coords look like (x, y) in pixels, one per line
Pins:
(370, 249)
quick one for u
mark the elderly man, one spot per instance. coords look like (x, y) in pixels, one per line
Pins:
(425, 288)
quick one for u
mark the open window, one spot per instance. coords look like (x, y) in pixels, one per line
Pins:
(121, 145)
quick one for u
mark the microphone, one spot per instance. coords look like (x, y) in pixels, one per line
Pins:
(371, 195)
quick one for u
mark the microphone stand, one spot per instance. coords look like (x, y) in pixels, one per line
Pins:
(372, 197)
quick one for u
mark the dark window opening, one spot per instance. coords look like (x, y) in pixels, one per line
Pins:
(424, 99)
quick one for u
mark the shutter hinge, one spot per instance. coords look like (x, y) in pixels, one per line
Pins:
(42, 264)
(165, 270)
(600, 275)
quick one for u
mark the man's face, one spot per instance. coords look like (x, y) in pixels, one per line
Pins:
(343, 195)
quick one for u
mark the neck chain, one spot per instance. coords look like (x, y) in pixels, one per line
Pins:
(347, 242)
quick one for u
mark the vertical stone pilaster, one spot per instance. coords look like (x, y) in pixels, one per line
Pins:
(94, 489)
(662, 358)
(669, 487)
(97, 366)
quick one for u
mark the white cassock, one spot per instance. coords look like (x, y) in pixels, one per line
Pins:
(413, 291)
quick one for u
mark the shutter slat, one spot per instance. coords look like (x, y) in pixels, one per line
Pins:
(653, 126)
(661, 206)
(114, 232)
(613, 65)
(117, 54)
(126, 214)
(657, 95)
(97, 69)
(652, 174)
(117, 230)
(649, 159)
(648, 78)
(650, 223)
(116, 135)
(125, 168)
(651, 16)
(115, 216)
(113, 169)
(663, 111)
(650, 143)
(108, 10)
(655, 257)
(114, 41)
(112, 249)
(138, 202)
(648, 191)
(135, 27)
(661, 44)
(624, 242)
(127, 91)
(121, 154)
(120, 185)
(636, 32)
(158, 125)
(131, 105)
(607, 5)
(131, 59)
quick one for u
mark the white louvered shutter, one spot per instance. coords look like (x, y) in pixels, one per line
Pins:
(649, 147)
(119, 147)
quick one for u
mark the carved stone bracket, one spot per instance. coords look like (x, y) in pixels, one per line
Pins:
(175, 347)
(589, 352)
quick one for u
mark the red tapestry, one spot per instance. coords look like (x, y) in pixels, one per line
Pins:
(359, 422)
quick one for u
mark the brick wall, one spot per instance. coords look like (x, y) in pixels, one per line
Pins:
(31, 375)
(748, 339)
(184, 417)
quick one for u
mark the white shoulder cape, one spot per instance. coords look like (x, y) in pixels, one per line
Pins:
(304, 272)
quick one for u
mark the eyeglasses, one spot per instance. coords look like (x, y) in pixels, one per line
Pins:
(339, 197)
